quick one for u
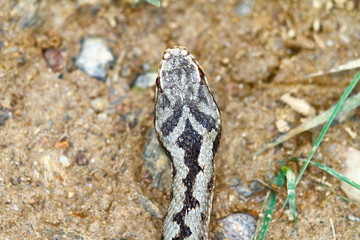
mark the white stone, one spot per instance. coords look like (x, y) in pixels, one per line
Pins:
(94, 57)
(65, 161)
(351, 171)
(99, 104)
(298, 105)
(282, 125)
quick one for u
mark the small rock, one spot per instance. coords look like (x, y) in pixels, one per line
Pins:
(353, 218)
(237, 226)
(157, 162)
(282, 125)
(65, 161)
(298, 105)
(245, 7)
(300, 42)
(351, 133)
(248, 190)
(54, 59)
(150, 206)
(5, 114)
(225, 61)
(93, 57)
(145, 80)
(81, 158)
(329, 43)
(99, 104)
(316, 26)
(64, 145)
(291, 33)
(329, 6)
(351, 171)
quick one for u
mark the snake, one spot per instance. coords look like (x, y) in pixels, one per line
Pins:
(188, 126)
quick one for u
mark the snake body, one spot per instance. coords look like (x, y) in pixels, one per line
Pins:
(188, 125)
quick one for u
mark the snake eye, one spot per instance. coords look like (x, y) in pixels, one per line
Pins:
(158, 84)
(202, 76)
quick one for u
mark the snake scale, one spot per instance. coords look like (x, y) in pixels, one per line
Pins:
(188, 125)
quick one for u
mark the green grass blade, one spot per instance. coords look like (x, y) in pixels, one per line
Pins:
(255, 236)
(290, 179)
(268, 216)
(153, 2)
(271, 202)
(331, 172)
(337, 108)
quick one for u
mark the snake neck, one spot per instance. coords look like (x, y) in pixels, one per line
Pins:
(188, 214)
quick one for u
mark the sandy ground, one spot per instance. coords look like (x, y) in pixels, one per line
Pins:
(71, 146)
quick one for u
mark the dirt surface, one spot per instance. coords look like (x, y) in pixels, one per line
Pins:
(71, 146)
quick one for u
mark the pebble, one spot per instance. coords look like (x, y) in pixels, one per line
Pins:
(291, 33)
(298, 105)
(329, 6)
(65, 161)
(351, 171)
(93, 57)
(145, 80)
(316, 26)
(81, 159)
(54, 59)
(64, 145)
(247, 191)
(245, 7)
(157, 162)
(282, 126)
(329, 43)
(236, 226)
(5, 114)
(299, 43)
(99, 104)
(351, 133)
(353, 218)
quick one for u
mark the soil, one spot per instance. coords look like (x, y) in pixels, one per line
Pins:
(72, 170)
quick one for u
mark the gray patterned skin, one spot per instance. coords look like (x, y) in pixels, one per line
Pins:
(188, 124)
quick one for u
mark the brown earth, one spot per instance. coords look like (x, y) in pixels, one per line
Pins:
(250, 62)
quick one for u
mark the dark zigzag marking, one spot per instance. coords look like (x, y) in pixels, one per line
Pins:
(191, 142)
(205, 120)
(168, 126)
